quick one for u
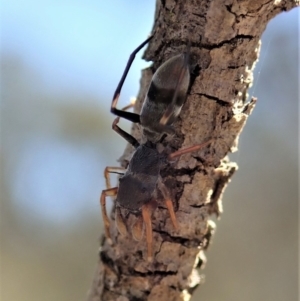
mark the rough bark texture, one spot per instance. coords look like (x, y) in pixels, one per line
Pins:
(225, 40)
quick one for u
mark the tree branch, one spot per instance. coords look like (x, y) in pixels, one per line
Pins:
(225, 40)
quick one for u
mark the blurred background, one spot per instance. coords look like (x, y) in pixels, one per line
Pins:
(60, 63)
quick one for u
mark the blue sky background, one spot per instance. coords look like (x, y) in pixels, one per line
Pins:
(76, 52)
(77, 44)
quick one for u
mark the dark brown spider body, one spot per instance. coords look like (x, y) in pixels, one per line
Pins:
(138, 184)
(141, 181)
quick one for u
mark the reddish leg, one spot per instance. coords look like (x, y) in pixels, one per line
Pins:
(146, 214)
(138, 229)
(129, 106)
(168, 201)
(108, 170)
(188, 149)
(120, 223)
(108, 192)
(172, 213)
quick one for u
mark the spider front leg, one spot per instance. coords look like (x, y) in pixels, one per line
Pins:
(129, 138)
(133, 117)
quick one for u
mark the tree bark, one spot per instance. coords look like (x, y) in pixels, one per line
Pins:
(225, 41)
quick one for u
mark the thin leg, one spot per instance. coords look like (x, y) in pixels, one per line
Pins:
(131, 105)
(104, 194)
(108, 170)
(127, 115)
(172, 213)
(146, 213)
(120, 223)
(188, 149)
(138, 229)
(121, 132)
(125, 135)
(168, 201)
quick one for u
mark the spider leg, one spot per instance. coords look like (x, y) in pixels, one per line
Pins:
(188, 150)
(165, 192)
(108, 170)
(146, 214)
(138, 229)
(133, 117)
(129, 138)
(170, 207)
(108, 192)
(120, 223)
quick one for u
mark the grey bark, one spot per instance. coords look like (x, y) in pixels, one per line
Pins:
(225, 41)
